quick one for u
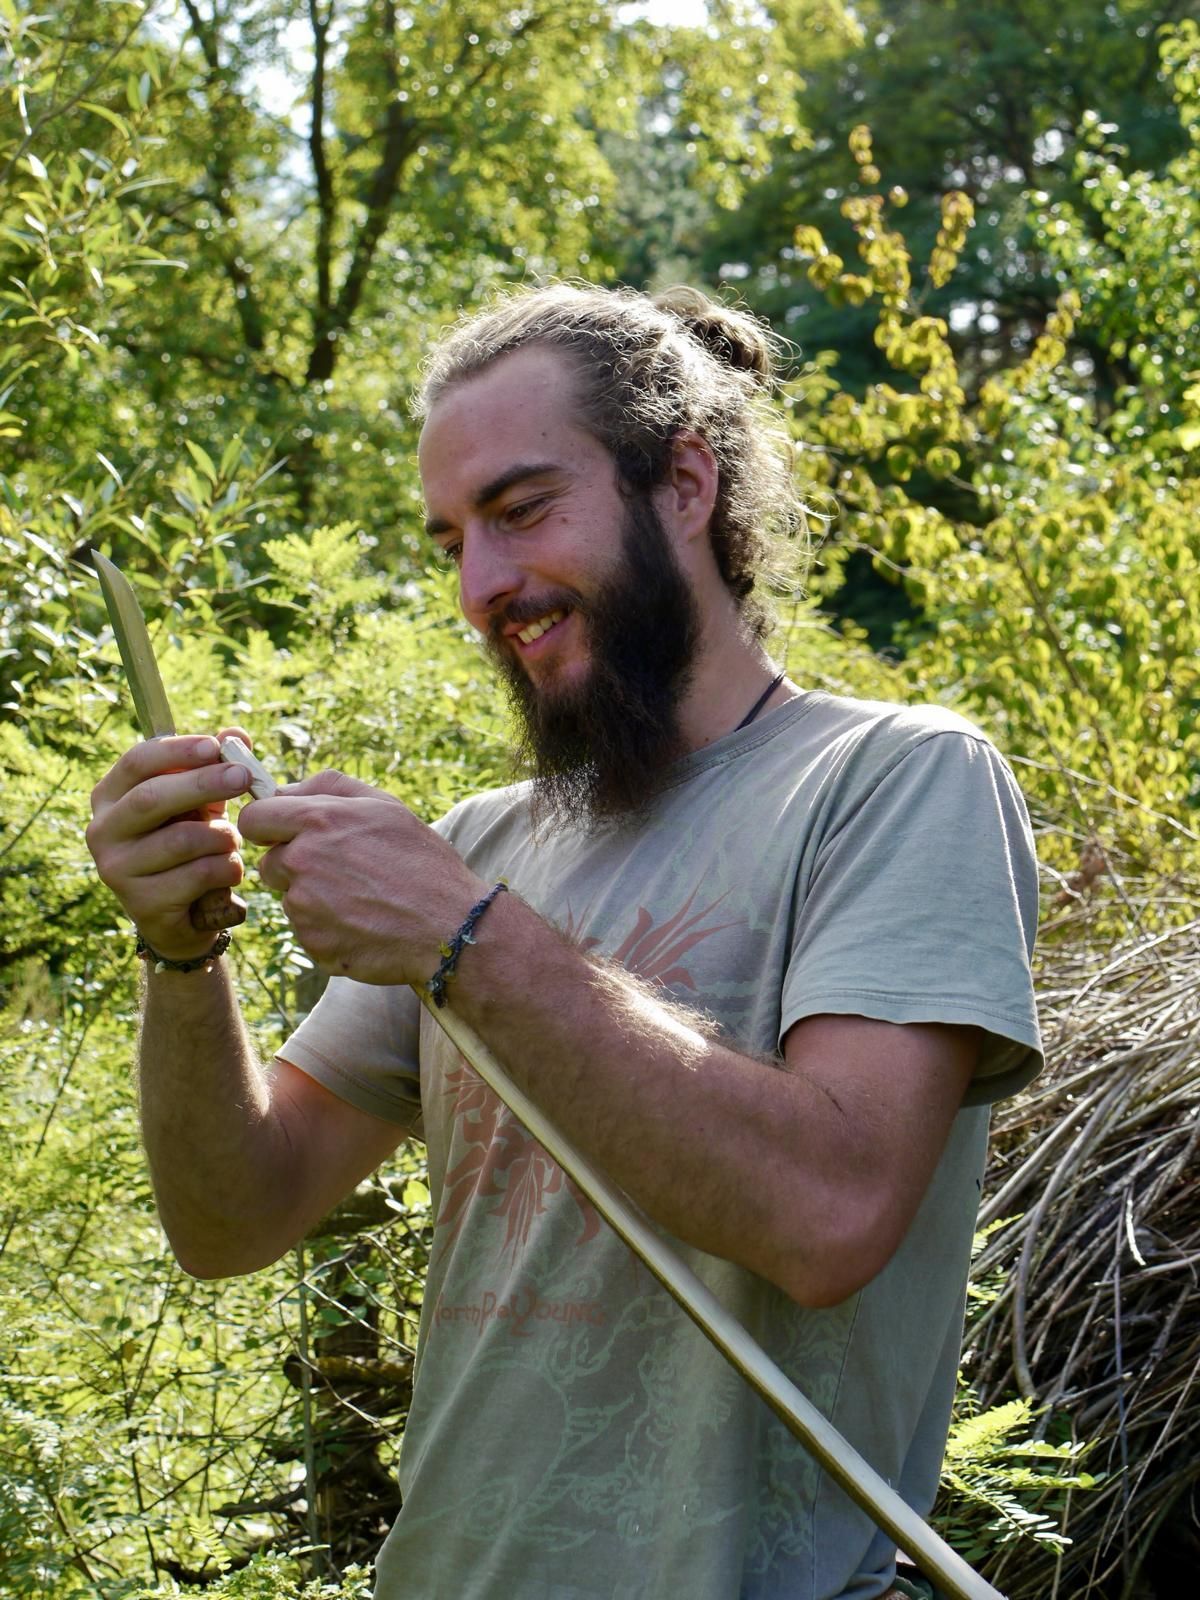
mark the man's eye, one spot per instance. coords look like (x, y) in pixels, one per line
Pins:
(522, 511)
(451, 553)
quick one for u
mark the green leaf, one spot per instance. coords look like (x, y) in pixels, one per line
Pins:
(231, 456)
(203, 460)
(118, 122)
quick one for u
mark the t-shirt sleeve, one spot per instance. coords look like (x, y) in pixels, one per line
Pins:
(360, 1041)
(922, 907)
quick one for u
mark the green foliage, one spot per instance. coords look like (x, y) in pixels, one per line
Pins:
(269, 1578)
(1003, 1485)
(1048, 544)
(1129, 247)
(78, 244)
(1000, 1484)
(209, 319)
(979, 95)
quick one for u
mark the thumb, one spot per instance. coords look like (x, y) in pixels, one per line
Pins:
(330, 781)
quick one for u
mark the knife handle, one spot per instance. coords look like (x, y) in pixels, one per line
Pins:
(221, 908)
(217, 909)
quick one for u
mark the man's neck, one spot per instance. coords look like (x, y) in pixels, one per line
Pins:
(731, 675)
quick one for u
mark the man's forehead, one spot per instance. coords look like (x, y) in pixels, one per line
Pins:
(523, 379)
(519, 409)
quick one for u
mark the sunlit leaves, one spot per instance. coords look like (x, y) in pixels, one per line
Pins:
(1049, 547)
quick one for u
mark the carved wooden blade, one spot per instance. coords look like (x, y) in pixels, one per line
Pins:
(137, 655)
(216, 908)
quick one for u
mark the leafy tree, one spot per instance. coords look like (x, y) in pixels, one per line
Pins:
(981, 97)
(1129, 246)
(419, 157)
(1047, 540)
(1039, 516)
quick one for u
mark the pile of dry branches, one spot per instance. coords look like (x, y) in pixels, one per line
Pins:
(1097, 1316)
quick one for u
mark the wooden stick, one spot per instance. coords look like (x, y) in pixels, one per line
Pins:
(262, 784)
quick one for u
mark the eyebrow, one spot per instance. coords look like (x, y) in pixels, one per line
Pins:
(494, 489)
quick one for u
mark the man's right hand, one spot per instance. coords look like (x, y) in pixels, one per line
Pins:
(160, 837)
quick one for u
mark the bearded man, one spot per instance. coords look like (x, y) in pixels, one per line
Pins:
(763, 957)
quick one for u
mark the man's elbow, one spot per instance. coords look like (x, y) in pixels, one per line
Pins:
(212, 1270)
(232, 1256)
(821, 1288)
(821, 1272)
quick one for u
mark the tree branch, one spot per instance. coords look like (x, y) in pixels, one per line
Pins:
(399, 142)
(326, 194)
(221, 178)
(401, 134)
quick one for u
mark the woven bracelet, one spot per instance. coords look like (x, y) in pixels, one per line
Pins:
(451, 949)
(161, 964)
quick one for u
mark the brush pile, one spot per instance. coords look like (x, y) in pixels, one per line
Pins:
(1097, 1315)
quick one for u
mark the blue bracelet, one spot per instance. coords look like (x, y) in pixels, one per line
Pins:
(451, 949)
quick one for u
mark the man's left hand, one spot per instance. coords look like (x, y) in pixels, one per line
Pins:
(369, 889)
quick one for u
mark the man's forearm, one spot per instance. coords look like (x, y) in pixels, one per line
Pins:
(674, 1116)
(218, 1156)
(807, 1171)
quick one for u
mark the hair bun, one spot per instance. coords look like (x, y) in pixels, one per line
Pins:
(737, 338)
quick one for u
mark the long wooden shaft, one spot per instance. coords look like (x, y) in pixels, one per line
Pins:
(844, 1464)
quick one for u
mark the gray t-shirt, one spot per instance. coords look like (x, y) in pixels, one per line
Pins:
(572, 1435)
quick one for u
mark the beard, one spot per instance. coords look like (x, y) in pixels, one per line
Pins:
(599, 749)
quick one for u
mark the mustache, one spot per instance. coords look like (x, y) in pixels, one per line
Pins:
(519, 613)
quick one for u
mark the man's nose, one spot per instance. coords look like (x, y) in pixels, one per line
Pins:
(488, 577)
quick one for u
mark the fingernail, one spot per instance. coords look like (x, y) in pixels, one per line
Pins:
(236, 779)
(206, 749)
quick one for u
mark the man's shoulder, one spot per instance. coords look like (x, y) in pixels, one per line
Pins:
(885, 730)
(890, 718)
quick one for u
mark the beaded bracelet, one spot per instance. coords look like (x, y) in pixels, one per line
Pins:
(220, 944)
(451, 949)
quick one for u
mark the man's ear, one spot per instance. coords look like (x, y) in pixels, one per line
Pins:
(687, 496)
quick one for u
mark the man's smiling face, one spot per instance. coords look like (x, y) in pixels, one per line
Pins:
(588, 616)
(525, 502)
